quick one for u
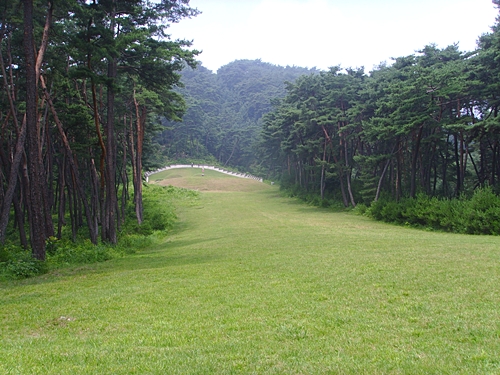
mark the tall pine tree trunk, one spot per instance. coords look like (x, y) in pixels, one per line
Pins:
(322, 181)
(5, 205)
(73, 167)
(111, 201)
(140, 114)
(413, 170)
(35, 166)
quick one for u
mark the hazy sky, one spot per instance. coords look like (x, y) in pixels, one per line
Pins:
(324, 33)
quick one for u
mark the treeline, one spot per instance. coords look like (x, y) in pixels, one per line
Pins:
(83, 85)
(429, 123)
(224, 112)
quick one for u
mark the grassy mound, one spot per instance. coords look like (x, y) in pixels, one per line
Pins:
(193, 178)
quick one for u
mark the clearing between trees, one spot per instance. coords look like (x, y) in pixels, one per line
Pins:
(251, 282)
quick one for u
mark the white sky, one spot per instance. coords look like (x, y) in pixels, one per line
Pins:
(324, 33)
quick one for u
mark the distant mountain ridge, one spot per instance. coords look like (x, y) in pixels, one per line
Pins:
(224, 111)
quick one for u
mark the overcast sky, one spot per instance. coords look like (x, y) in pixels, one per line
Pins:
(324, 33)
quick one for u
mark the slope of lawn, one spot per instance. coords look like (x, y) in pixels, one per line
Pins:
(254, 283)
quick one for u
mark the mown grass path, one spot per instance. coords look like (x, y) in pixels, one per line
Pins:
(254, 283)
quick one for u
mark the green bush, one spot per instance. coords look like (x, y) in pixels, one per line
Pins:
(131, 243)
(483, 214)
(392, 212)
(478, 215)
(4, 254)
(159, 218)
(85, 252)
(375, 210)
(360, 209)
(22, 265)
(158, 208)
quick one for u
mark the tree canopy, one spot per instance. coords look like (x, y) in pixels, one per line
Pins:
(84, 82)
(427, 123)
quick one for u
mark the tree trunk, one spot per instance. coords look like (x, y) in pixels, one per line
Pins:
(124, 176)
(413, 170)
(140, 122)
(16, 161)
(457, 167)
(322, 182)
(18, 211)
(379, 186)
(62, 201)
(348, 169)
(72, 164)
(11, 187)
(111, 202)
(399, 170)
(35, 166)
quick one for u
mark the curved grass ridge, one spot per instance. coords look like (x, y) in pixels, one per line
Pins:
(251, 282)
(202, 167)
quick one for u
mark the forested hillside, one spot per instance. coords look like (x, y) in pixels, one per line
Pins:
(224, 111)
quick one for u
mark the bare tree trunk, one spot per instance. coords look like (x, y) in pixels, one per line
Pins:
(348, 171)
(124, 172)
(399, 170)
(109, 221)
(413, 171)
(322, 182)
(457, 167)
(140, 122)
(344, 156)
(379, 186)
(9, 194)
(18, 211)
(71, 206)
(62, 201)
(74, 170)
(35, 165)
(94, 196)
(16, 161)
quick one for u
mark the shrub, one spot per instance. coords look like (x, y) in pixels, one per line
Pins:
(483, 212)
(478, 215)
(79, 253)
(22, 265)
(159, 217)
(392, 213)
(130, 243)
(375, 209)
(4, 254)
(360, 209)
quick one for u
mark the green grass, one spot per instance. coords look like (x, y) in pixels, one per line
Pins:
(253, 283)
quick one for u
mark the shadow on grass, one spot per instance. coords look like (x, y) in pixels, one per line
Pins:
(303, 206)
(164, 256)
(148, 262)
(188, 242)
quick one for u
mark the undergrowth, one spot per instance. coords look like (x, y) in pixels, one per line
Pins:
(159, 218)
(476, 214)
(479, 214)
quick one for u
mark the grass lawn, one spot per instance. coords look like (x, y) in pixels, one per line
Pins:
(254, 283)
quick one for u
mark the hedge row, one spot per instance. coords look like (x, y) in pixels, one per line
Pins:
(479, 214)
